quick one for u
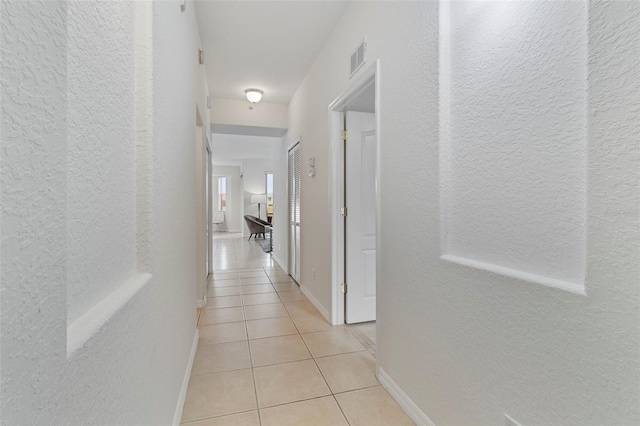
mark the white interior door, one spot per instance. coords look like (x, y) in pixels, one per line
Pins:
(360, 238)
(294, 212)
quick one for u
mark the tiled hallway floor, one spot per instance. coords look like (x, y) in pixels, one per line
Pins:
(267, 357)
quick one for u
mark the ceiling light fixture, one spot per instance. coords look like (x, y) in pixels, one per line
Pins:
(254, 95)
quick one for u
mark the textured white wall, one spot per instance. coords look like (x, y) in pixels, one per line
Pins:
(179, 85)
(230, 150)
(132, 369)
(514, 159)
(33, 223)
(468, 345)
(101, 186)
(308, 120)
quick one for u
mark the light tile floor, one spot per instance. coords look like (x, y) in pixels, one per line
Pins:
(267, 357)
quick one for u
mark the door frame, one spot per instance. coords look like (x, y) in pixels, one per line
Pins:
(336, 185)
(202, 273)
(209, 201)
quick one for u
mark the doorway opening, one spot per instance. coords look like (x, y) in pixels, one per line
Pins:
(355, 158)
(268, 177)
(222, 197)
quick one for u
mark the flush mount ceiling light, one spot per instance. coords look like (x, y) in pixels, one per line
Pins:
(254, 95)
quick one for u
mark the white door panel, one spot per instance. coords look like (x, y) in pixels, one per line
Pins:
(369, 274)
(360, 190)
(368, 158)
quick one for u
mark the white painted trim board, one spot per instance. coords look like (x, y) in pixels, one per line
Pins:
(403, 399)
(571, 287)
(91, 322)
(316, 303)
(336, 110)
(278, 261)
(201, 303)
(185, 382)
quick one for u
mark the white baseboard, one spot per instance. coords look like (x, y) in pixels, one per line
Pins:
(185, 382)
(201, 303)
(279, 262)
(315, 303)
(403, 400)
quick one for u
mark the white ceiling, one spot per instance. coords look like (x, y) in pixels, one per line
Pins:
(232, 149)
(265, 44)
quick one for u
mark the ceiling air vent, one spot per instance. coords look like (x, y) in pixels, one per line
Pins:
(358, 57)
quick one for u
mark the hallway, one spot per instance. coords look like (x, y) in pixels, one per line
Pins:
(507, 220)
(267, 357)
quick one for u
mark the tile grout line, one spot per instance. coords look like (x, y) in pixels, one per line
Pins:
(295, 402)
(215, 417)
(333, 395)
(253, 373)
(365, 344)
(341, 410)
(299, 334)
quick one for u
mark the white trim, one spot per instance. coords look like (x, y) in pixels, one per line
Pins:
(508, 421)
(295, 142)
(355, 87)
(336, 117)
(185, 382)
(278, 261)
(337, 223)
(316, 303)
(378, 109)
(571, 287)
(89, 324)
(201, 303)
(403, 399)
